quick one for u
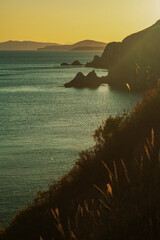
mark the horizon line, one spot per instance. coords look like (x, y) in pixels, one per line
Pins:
(66, 43)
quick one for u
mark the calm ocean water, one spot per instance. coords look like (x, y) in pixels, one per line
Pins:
(40, 120)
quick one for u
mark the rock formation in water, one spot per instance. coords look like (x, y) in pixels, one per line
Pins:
(65, 64)
(134, 61)
(89, 81)
(75, 63)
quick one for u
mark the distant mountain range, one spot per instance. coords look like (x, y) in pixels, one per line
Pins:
(42, 46)
(24, 45)
(79, 46)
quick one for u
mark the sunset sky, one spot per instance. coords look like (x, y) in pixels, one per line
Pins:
(68, 21)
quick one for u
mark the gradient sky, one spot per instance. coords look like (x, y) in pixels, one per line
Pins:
(68, 21)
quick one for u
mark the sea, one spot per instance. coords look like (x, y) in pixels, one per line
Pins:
(44, 126)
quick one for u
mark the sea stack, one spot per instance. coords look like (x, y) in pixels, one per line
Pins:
(82, 81)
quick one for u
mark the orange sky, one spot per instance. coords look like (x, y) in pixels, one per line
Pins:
(68, 21)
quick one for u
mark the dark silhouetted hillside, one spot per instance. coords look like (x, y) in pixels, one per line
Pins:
(135, 60)
(113, 190)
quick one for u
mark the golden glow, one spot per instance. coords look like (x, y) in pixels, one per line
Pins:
(66, 21)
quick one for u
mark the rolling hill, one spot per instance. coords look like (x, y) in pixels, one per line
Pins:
(23, 45)
(82, 45)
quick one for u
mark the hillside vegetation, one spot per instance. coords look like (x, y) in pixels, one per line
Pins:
(112, 192)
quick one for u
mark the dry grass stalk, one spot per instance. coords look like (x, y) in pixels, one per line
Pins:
(100, 190)
(73, 236)
(86, 206)
(58, 223)
(104, 204)
(125, 170)
(110, 173)
(152, 137)
(149, 144)
(115, 171)
(109, 189)
(147, 152)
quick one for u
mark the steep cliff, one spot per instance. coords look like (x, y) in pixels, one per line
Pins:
(135, 60)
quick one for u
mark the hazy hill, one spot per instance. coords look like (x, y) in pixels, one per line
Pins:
(82, 45)
(132, 59)
(24, 45)
(87, 48)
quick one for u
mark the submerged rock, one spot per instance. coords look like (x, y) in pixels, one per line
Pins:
(76, 63)
(65, 64)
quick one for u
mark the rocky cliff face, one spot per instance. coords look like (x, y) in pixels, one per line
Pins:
(135, 60)
(111, 55)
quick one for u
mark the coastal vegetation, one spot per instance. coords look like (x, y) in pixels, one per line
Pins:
(112, 192)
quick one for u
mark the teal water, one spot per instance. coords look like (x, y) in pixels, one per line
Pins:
(41, 120)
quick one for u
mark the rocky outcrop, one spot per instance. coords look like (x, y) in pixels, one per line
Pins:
(89, 81)
(134, 61)
(65, 64)
(74, 63)
(96, 63)
(110, 56)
